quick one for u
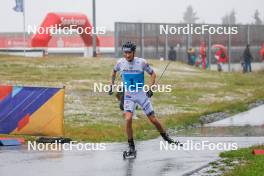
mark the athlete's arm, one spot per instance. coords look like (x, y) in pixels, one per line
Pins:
(113, 77)
(153, 76)
(152, 79)
(152, 82)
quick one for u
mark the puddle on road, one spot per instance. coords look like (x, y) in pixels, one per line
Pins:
(236, 131)
(240, 125)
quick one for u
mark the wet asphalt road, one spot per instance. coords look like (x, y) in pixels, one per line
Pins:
(150, 160)
(253, 117)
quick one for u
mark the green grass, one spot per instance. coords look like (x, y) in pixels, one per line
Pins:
(250, 165)
(93, 116)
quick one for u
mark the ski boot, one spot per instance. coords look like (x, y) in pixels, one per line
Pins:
(131, 152)
(167, 138)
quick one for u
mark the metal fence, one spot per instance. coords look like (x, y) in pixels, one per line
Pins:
(154, 45)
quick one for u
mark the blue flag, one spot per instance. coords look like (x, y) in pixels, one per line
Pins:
(19, 6)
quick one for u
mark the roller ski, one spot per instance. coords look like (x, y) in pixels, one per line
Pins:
(167, 138)
(131, 152)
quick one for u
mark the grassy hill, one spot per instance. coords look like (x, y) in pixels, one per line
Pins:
(96, 116)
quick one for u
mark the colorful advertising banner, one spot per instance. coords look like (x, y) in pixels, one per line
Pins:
(31, 110)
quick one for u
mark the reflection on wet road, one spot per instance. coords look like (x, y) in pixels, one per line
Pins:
(150, 160)
(253, 117)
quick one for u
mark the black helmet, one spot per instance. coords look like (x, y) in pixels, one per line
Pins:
(129, 47)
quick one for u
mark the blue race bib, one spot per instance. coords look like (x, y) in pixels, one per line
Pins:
(133, 81)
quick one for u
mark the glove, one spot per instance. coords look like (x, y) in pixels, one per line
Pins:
(149, 93)
(111, 90)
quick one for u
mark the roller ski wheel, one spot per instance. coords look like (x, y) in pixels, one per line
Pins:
(178, 143)
(129, 154)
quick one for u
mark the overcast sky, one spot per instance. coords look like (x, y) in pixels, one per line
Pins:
(110, 11)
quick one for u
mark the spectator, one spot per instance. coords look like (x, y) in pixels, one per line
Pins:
(191, 56)
(247, 56)
(243, 64)
(221, 58)
(203, 55)
(262, 53)
(172, 54)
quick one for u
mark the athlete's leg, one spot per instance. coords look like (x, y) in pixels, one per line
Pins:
(162, 131)
(146, 105)
(129, 130)
(128, 109)
(156, 122)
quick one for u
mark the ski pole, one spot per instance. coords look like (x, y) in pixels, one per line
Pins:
(163, 72)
